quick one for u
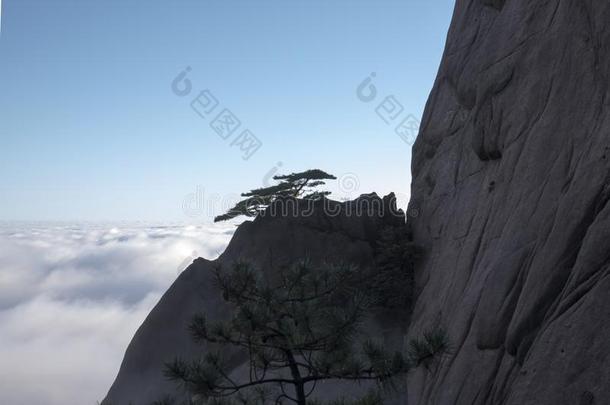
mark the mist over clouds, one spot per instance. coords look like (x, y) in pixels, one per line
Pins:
(71, 298)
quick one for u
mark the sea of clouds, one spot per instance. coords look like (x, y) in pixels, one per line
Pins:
(72, 296)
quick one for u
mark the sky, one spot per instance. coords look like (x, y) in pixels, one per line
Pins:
(91, 128)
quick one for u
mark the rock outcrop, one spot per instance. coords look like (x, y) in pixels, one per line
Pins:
(328, 231)
(510, 191)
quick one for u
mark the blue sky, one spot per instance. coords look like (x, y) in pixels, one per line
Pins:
(91, 130)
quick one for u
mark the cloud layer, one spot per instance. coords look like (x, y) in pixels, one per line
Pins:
(71, 298)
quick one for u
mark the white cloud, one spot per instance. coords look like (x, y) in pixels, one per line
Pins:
(71, 298)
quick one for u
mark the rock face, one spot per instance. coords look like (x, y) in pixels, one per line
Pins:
(331, 232)
(510, 200)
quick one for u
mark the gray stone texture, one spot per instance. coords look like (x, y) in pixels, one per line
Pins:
(511, 181)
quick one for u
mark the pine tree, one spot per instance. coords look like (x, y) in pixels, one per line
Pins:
(295, 331)
(298, 185)
(392, 283)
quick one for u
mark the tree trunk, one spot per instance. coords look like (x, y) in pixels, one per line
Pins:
(299, 386)
(300, 389)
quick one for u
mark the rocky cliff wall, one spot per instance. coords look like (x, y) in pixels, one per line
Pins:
(511, 187)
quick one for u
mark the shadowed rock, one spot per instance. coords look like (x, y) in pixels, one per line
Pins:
(290, 230)
(511, 180)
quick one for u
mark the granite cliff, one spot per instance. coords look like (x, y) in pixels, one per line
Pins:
(511, 187)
